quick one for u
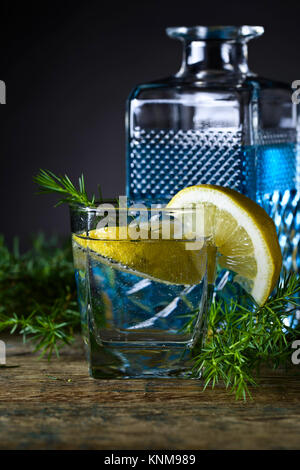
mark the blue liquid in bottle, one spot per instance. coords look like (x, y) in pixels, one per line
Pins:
(278, 193)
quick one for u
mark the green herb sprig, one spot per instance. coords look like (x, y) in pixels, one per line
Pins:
(242, 339)
(38, 293)
(63, 186)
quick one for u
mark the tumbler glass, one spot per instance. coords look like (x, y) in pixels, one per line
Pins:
(143, 288)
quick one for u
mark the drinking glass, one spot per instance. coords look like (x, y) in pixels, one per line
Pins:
(144, 286)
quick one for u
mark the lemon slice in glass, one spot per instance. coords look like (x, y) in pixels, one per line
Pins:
(244, 235)
(163, 260)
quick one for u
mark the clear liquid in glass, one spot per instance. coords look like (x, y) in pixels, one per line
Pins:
(133, 324)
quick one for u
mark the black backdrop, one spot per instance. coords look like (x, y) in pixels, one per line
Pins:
(69, 67)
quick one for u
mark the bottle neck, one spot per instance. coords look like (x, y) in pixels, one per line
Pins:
(214, 58)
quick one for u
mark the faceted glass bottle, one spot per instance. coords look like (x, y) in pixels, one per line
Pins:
(216, 122)
(277, 148)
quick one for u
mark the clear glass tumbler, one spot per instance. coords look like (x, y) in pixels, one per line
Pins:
(143, 288)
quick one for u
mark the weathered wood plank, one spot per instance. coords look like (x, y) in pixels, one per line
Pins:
(57, 406)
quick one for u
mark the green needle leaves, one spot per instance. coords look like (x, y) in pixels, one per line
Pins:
(241, 339)
(62, 185)
(38, 294)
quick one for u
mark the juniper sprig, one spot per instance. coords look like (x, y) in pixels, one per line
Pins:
(242, 339)
(38, 293)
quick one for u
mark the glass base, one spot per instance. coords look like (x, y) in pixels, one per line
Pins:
(111, 362)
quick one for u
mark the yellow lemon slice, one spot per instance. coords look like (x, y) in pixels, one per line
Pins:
(163, 260)
(244, 235)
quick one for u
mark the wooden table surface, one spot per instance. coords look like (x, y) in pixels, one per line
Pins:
(57, 405)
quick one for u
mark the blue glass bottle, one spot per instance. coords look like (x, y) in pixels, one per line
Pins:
(217, 122)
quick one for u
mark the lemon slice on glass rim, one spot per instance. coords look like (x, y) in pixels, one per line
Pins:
(244, 235)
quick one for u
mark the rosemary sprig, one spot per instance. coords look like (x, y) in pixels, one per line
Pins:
(242, 339)
(62, 185)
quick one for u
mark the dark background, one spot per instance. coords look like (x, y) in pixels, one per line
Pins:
(69, 67)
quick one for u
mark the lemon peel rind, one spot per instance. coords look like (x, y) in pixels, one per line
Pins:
(249, 215)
